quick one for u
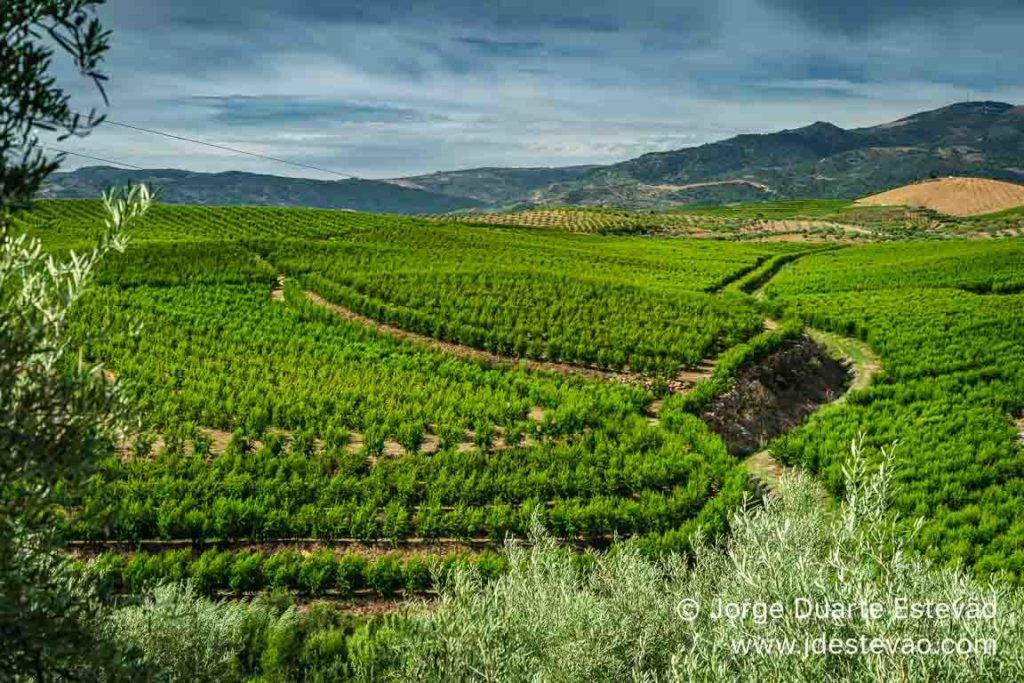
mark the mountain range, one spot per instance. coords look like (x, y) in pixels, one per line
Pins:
(252, 189)
(822, 160)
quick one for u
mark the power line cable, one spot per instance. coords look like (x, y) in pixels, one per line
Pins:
(87, 156)
(228, 149)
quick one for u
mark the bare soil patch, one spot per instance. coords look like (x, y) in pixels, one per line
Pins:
(774, 395)
(686, 379)
(666, 187)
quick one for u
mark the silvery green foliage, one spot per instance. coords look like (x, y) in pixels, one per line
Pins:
(547, 621)
(57, 417)
(186, 637)
(56, 410)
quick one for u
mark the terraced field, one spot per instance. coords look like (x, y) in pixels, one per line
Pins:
(792, 220)
(318, 383)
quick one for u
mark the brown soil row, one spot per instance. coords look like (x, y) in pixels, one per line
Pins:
(372, 605)
(431, 442)
(407, 547)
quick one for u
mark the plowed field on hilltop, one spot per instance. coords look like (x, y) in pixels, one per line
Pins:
(953, 196)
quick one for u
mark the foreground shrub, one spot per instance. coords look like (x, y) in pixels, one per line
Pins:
(188, 638)
(630, 618)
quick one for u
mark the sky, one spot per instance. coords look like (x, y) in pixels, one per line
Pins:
(388, 88)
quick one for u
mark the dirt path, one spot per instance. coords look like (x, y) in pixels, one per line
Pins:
(476, 354)
(766, 469)
(407, 547)
(864, 362)
(664, 187)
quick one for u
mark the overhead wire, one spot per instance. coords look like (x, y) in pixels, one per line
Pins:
(226, 148)
(89, 156)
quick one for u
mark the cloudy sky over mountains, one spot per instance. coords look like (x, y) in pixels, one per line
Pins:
(398, 87)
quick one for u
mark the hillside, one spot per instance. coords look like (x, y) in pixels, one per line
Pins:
(953, 196)
(250, 189)
(343, 409)
(982, 139)
(356, 378)
(494, 186)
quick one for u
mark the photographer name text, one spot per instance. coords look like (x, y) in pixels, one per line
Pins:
(808, 609)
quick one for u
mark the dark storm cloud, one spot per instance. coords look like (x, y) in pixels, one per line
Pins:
(501, 47)
(865, 15)
(594, 15)
(396, 87)
(279, 110)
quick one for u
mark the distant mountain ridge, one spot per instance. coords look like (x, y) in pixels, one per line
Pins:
(493, 186)
(822, 160)
(980, 139)
(237, 188)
